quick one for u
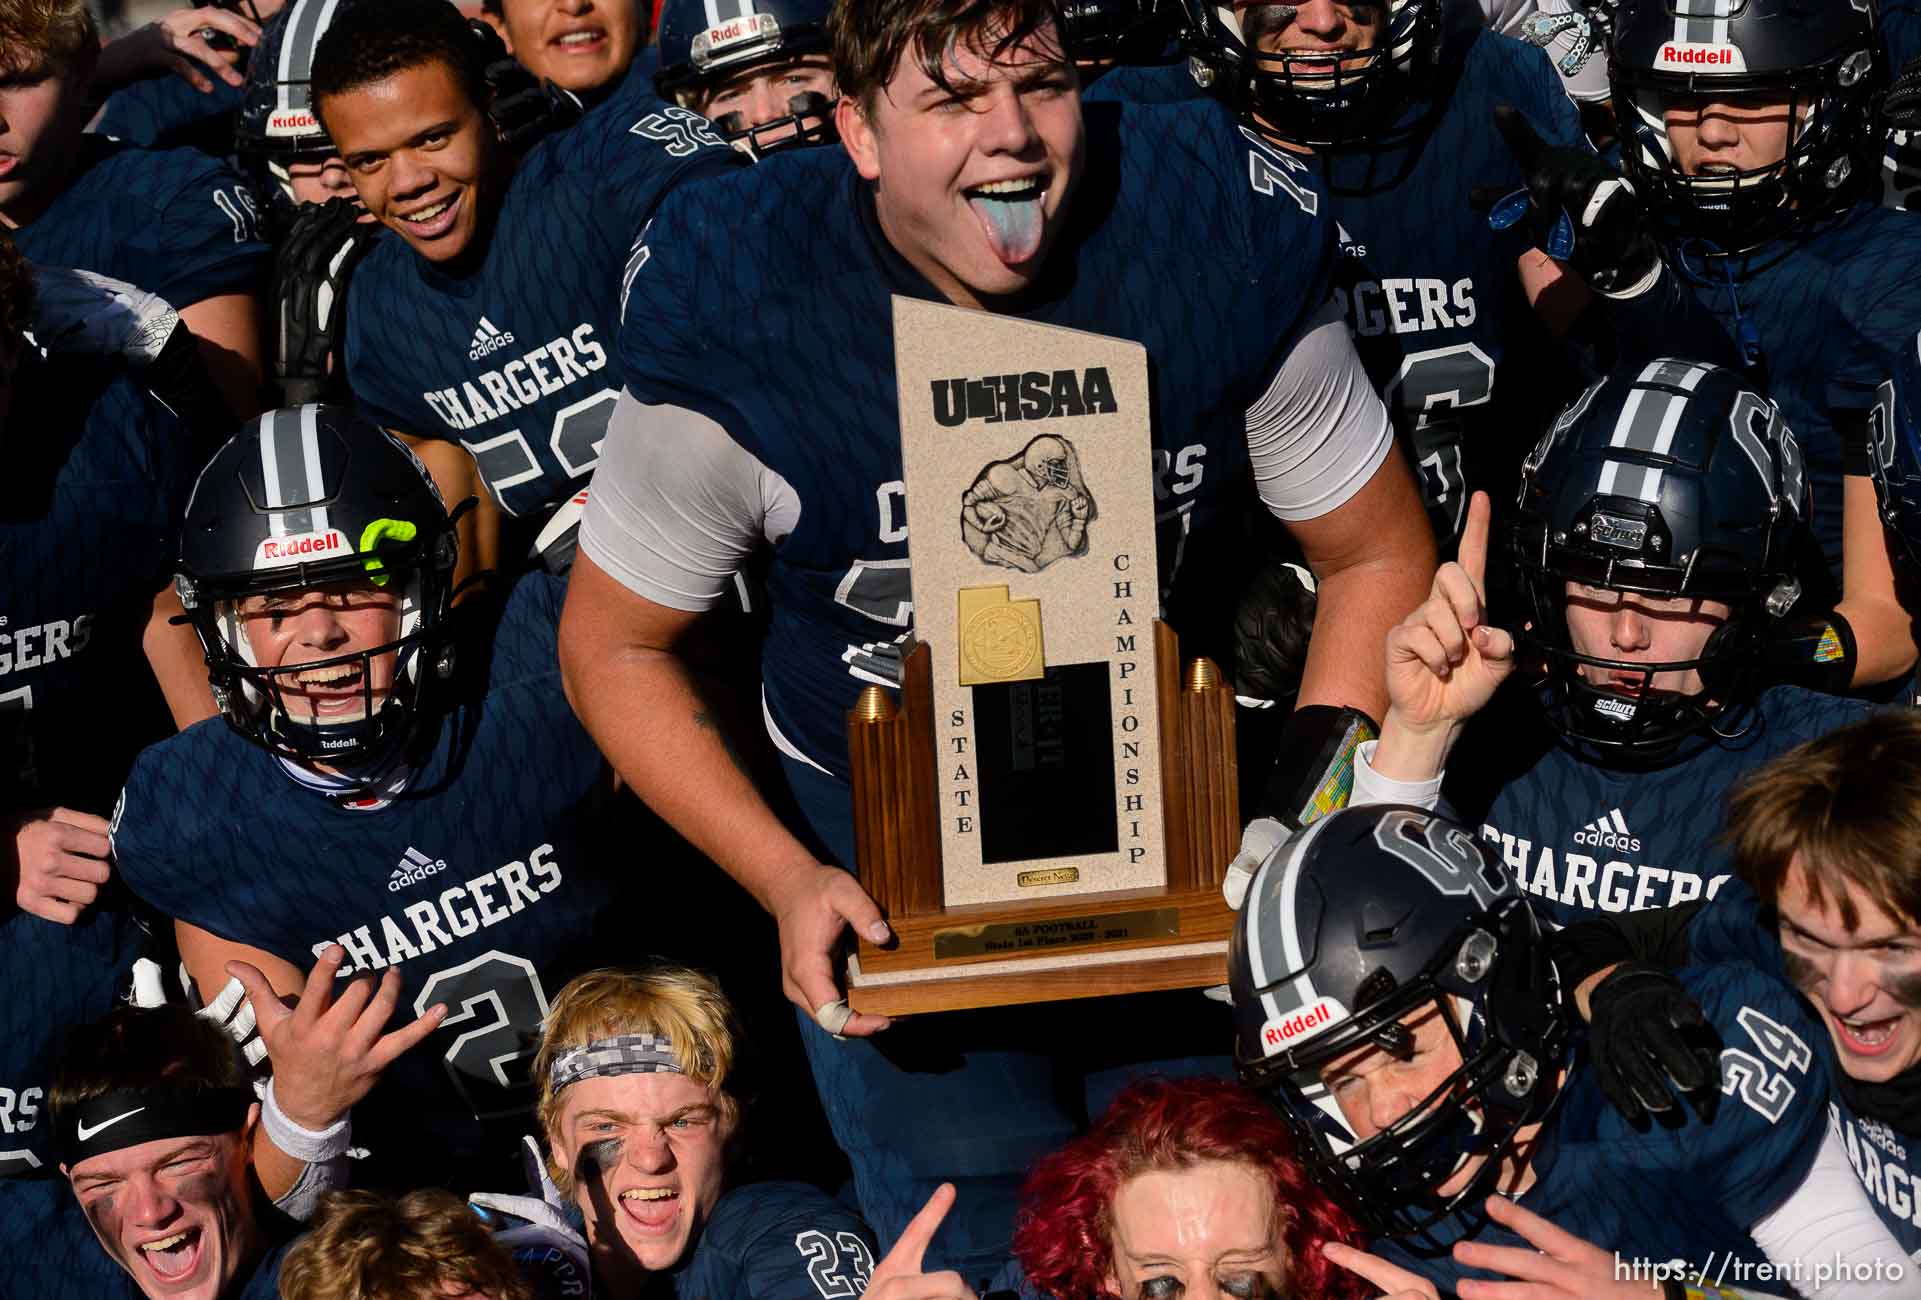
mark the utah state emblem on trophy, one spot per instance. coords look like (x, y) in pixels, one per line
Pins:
(1046, 809)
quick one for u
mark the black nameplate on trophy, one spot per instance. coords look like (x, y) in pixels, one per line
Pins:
(1045, 754)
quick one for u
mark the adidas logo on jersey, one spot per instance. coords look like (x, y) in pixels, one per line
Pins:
(1609, 832)
(414, 867)
(488, 339)
(1882, 1136)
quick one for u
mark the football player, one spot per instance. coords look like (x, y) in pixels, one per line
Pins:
(276, 137)
(89, 510)
(967, 175)
(375, 751)
(1826, 897)
(642, 1118)
(589, 47)
(172, 1159)
(1395, 102)
(176, 223)
(425, 1245)
(1751, 237)
(1660, 525)
(176, 82)
(492, 298)
(1395, 998)
(759, 73)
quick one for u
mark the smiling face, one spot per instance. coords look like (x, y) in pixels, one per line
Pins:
(287, 629)
(422, 156)
(1735, 134)
(647, 1156)
(43, 110)
(1318, 27)
(176, 1213)
(1864, 979)
(1208, 1232)
(581, 45)
(1634, 628)
(972, 180)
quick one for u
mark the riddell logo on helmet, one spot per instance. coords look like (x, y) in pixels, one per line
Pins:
(1279, 1034)
(292, 122)
(1686, 57)
(301, 547)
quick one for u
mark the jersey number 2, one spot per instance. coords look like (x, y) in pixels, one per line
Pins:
(495, 1006)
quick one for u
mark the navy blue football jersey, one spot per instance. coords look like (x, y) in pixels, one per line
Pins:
(1153, 83)
(759, 297)
(515, 359)
(481, 883)
(98, 473)
(778, 1241)
(1676, 1194)
(172, 221)
(167, 113)
(1899, 25)
(1828, 313)
(1468, 370)
(1886, 1155)
(1583, 838)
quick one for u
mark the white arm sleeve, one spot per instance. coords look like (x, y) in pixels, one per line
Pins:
(1371, 787)
(676, 505)
(1827, 1239)
(1319, 432)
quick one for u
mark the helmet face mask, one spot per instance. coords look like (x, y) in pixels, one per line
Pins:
(700, 57)
(1386, 932)
(1808, 63)
(1316, 98)
(1668, 482)
(356, 527)
(276, 127)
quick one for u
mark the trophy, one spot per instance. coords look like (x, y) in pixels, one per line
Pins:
(1048, 807)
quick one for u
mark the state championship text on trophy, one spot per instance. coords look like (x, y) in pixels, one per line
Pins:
(1047, 810)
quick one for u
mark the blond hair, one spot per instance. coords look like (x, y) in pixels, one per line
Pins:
(51, 32)
(678, 1003)
(365, 1246)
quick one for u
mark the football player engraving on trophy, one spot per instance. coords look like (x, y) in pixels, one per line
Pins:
(1046, 808)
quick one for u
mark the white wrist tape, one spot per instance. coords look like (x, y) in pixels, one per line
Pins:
(303, 1143)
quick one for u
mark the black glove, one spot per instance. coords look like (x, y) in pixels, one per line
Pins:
(1272, 625)
(524, 108)
(1816, 651)
(311, 270)
(1649, 1040)
(1579, 210)
(1902, 103)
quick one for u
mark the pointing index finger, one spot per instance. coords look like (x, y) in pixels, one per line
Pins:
(1474, 535)
(1521, 137)
(904, 1260)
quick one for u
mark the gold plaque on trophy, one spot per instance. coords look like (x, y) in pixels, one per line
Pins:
(1046, 808)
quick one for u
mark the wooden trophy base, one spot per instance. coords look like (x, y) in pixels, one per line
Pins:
(1071, 946)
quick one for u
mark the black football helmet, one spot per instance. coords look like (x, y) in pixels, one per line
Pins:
(1667, 478)
(1819, 56)
(1317, 100)
(1365, 921)
(1895, 440)
(1122, 31)
(698, 49)
(276, 123)
(307, 497)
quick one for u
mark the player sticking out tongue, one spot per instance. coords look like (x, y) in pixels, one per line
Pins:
(1013, 216)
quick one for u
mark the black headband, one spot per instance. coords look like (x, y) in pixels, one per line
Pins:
(129, 1116)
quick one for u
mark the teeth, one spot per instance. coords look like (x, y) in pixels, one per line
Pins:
(165, 1243)
(578, 38)
(327, 676)
(428, 214)
(1009, 187)
(648, 1194)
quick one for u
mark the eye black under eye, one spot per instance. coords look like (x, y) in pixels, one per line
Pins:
(1243, 1286)
(1161, 1288)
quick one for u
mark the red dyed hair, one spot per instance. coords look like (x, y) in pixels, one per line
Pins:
(1064, 1236)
